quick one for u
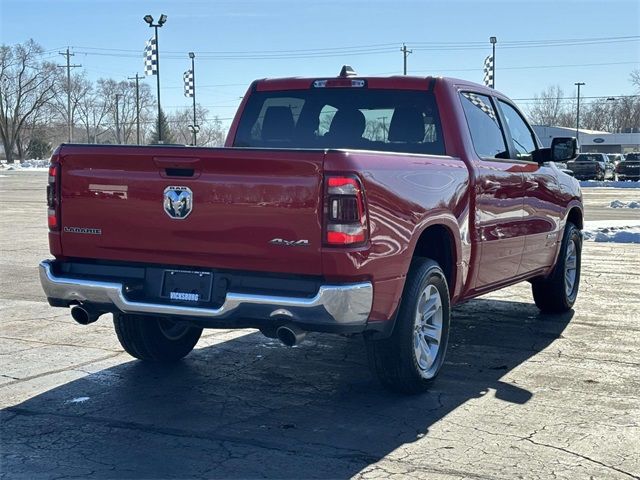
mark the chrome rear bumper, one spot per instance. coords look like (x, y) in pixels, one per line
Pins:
(343, 304)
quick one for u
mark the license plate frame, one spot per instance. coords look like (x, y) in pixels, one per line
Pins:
(186, 286)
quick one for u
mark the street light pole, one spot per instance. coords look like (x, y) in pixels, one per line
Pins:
(613, 125)
(579, 84)
(117, 119)
(493, 41)
(161, 21)
(137, 79)
(192, 55)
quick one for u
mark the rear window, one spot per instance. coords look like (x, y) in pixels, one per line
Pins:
(632, 157)
(588, 158)
(354, 118)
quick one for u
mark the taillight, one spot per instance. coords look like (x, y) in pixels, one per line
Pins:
(345, 214)
(53, 195)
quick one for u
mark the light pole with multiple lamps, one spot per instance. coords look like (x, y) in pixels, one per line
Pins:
(161, 21)
(493, 41)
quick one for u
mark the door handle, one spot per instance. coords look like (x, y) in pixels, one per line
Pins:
(490, 186)
(531, 185)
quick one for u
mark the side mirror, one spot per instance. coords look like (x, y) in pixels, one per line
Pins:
(563, 149)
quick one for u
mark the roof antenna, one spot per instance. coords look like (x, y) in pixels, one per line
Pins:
(347, 71)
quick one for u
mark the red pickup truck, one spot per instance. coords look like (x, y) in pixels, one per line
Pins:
(347, 205)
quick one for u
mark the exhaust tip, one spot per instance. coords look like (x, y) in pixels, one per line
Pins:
(290, 335)
(83, 316)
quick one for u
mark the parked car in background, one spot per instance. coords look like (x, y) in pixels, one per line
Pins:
(629, 167)
(591, 166)
(615, 158)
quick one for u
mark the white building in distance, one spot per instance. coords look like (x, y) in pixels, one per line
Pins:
(592, 140)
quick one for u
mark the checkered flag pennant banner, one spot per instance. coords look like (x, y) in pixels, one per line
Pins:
(151, 57)
(188, 83)
(480, 103)
(488, 71)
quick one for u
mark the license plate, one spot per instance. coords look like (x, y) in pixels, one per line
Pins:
(187, 286)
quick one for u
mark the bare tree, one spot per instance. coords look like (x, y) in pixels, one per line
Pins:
(597, 115)
(548, 106)
(79, 87)
(628, 114)
(635, 79)
(211, 134)
(27, 84)
(92, 112)
(126, 118)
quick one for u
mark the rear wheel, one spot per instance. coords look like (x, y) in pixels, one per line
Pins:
(155, 338)
(409, 360)
(558, 292)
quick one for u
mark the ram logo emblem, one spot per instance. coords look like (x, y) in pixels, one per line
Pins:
(178, 202)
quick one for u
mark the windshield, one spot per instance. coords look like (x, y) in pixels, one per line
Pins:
(354, 118)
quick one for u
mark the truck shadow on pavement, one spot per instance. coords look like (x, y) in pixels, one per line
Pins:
(249, 407)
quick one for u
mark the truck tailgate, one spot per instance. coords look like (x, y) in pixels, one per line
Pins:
(132, 204)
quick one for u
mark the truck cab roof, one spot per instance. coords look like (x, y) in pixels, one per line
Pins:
(396, 82)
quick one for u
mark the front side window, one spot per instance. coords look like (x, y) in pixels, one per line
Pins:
(486, 133)
(521, 136)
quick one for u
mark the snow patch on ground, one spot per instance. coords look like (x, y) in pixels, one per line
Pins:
(620, 204)
(78, 400)
(615, 231)
(609, 184)
(28, 165)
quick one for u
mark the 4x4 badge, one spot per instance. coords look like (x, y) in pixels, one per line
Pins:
(289, 243)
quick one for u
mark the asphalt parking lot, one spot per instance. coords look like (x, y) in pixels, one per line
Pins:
(522, 395)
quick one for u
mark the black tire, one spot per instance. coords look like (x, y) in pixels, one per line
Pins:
(155, 339)
(394, 359)
(553, 294)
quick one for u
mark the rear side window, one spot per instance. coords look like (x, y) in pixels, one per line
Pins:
(353, 118)
(486, 133)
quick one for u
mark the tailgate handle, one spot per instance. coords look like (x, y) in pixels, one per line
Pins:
(179, 172)
(178, 167)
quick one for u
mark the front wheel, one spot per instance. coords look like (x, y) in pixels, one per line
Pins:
(558, 292)
(409, 360)
(155, 338)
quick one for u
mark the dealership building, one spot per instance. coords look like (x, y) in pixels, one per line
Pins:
(591, 140)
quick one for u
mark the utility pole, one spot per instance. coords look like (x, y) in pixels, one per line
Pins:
(118, 95)
(137, 79)
(493, 41)
(405, 54)
(68, 66)
(192, 56)
(578, 113)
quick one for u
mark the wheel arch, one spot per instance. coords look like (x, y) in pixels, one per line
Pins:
(439, 242)
(575, 216)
